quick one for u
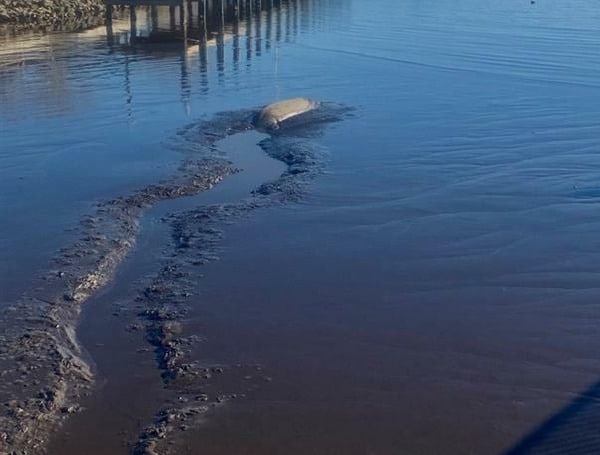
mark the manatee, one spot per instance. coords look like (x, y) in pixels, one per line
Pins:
(272, 115)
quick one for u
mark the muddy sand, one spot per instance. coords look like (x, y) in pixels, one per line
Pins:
(48, 376)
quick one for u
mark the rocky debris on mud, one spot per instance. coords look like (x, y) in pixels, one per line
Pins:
(153, 440)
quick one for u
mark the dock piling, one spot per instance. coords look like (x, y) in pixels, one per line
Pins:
(133, 22)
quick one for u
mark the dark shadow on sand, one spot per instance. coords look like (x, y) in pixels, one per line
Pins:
(573, 430)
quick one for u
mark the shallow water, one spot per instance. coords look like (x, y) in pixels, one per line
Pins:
(437, 289)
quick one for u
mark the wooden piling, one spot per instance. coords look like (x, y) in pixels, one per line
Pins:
(109, 25)
(183, 11)
(132, 23)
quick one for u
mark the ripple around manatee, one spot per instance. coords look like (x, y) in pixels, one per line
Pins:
(44, 370)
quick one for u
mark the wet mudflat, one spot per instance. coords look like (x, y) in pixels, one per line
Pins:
(130, 391)
(433, 289)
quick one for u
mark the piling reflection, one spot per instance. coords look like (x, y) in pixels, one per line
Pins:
(221, 28)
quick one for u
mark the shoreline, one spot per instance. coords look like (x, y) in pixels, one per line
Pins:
(52, 13)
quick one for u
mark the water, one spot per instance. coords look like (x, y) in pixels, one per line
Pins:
(437, 289)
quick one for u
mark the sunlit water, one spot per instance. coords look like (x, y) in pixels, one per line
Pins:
(438, 288)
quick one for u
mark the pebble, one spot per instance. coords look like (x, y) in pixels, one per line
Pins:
(68, 409)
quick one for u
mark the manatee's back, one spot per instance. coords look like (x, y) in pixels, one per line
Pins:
(273, 114)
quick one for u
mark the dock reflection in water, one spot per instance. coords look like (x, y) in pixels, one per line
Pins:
(167, 28)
